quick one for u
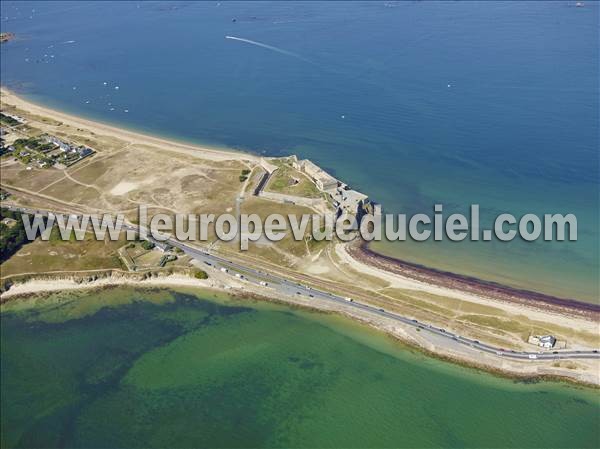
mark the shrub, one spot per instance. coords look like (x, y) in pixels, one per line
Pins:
(201, 274)
(146, 244)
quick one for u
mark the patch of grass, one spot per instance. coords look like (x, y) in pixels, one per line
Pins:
(148, 259)
(8, 121)
(59, 255)
(289, 181)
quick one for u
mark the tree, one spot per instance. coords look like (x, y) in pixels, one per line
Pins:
(11, 237)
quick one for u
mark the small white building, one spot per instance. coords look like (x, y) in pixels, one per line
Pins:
(547, 341)
(544, 341)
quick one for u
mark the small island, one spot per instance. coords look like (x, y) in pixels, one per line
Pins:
(5, 37)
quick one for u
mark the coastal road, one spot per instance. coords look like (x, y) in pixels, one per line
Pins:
(287, 287)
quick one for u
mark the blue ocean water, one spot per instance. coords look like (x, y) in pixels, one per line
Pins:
(413, 103)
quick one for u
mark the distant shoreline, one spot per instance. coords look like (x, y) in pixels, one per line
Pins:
(11, 97)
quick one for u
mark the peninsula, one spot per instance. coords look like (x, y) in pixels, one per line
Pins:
(113, 170)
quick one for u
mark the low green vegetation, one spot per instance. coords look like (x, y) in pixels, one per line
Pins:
(289, 181)
(57, 255)
(4, 194)
(148, 245)
(201, 274)
(8, 121)
(12, 233)
(35, 149)
(34, 144)
(245, 174)
(166, 258)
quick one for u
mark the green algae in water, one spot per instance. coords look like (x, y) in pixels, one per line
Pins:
(135, 368)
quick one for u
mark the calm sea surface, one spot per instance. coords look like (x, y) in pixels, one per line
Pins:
(413, 103)
(135, 368)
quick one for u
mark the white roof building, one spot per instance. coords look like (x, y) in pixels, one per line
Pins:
(544, 341)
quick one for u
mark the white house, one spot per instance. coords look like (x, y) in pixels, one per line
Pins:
(544, 341)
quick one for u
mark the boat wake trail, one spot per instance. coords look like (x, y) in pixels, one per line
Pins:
(270, 47)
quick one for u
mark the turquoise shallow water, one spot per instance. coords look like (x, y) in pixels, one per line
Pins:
(516, 131)
(157, 368)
